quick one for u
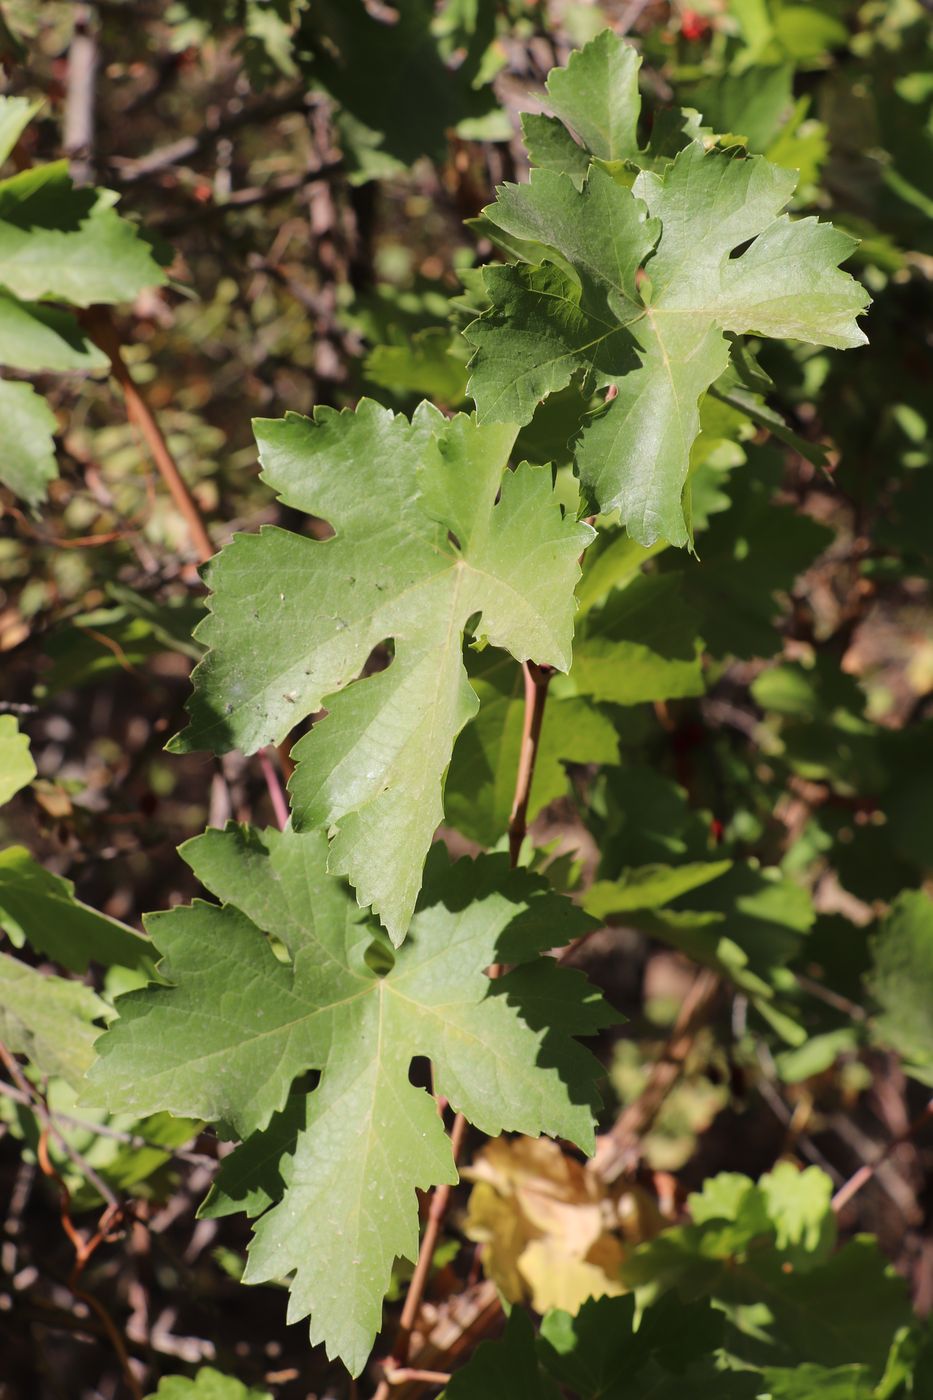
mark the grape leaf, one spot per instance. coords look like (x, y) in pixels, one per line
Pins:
(505, 1369)
(641, 645)
(228, 1038)
(597, 96)
(15, 115)
(481, 780)
(600, 1355)
(59, 241)
(576, 306)
(431, 530)
(732, 586)
(764, 1253)
(672, 1354)
(16, 765)
(208, 1384)
(809, 1382)
(650, 886)
(49, 1019)
(901, 980)
(28, 462)
(37, 337)
(40, 907)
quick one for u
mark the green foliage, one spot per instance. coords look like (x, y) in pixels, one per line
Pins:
(208, 1384)
(49, 1019)
(632, 283)
(62, 244)
(900, 980)
(238, 1027)
(16, 765)
(40, 907)
(714, 760)
(437, 534)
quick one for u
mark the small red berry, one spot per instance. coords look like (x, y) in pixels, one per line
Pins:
(694, 26)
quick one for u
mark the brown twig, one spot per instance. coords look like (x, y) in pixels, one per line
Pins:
(79, 95)
(39, 1106)
(250, 198)
(129, 171)
(406, 1375)
(865, 1172)
(99, 325)
(84, 1246)
(276, 795)
(537, 680)
(615, 1149)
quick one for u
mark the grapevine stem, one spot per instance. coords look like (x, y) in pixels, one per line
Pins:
(537, 680)
(276, 795)
(615, 1148)
(99, 326)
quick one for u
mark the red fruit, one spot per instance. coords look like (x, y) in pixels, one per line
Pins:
(694, 26)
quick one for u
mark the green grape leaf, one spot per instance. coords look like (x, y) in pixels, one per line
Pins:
(672, 1355)
(641, 645)
(16, 765)
(650, 886)
(809, 1382)
(15, 115)
(753, 103)
(901, 980)
(37, 337)
(745, 923)
(228, 1038)
(732, 587)
(208, 1384)
(424, 367)
(481, 781)
(28, 462)
(59, 241)
(505, 1369)
(764, 1253)
(635, 289)
(431, 530)
(48, 1019)
(600, 1355)
(597, 96)
(39, 907)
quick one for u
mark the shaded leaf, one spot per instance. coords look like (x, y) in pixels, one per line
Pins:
(39, 907)
(48, 1019)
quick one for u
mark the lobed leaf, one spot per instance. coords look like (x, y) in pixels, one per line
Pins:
(238, 1027)
(432, 531)
(636, 288)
